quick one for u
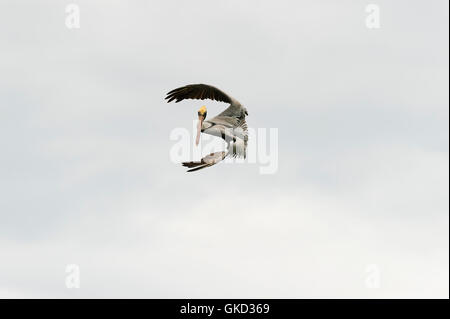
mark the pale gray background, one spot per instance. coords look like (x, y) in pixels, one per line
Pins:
(85, 174)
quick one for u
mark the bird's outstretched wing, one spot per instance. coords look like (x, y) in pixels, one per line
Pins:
(198, 92)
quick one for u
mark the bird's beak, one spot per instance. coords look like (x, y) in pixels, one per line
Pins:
(199, 129)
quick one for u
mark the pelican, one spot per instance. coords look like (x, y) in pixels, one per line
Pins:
(229, 125)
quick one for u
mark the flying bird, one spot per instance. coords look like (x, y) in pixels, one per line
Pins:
(229, 125)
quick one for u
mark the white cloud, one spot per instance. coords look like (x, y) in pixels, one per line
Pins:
(363, 152)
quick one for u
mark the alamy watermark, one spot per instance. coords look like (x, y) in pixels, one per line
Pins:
(73, 16)
(373, 17)
(261, 148)
(373, 276)
(72, 276)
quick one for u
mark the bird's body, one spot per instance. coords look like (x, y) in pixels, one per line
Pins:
(229, 125)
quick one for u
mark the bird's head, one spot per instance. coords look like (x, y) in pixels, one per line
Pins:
(201, 117)
(202, 113)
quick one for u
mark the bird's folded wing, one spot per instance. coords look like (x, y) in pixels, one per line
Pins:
(206, 161)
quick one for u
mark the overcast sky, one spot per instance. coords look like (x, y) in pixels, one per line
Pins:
(86, 178)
